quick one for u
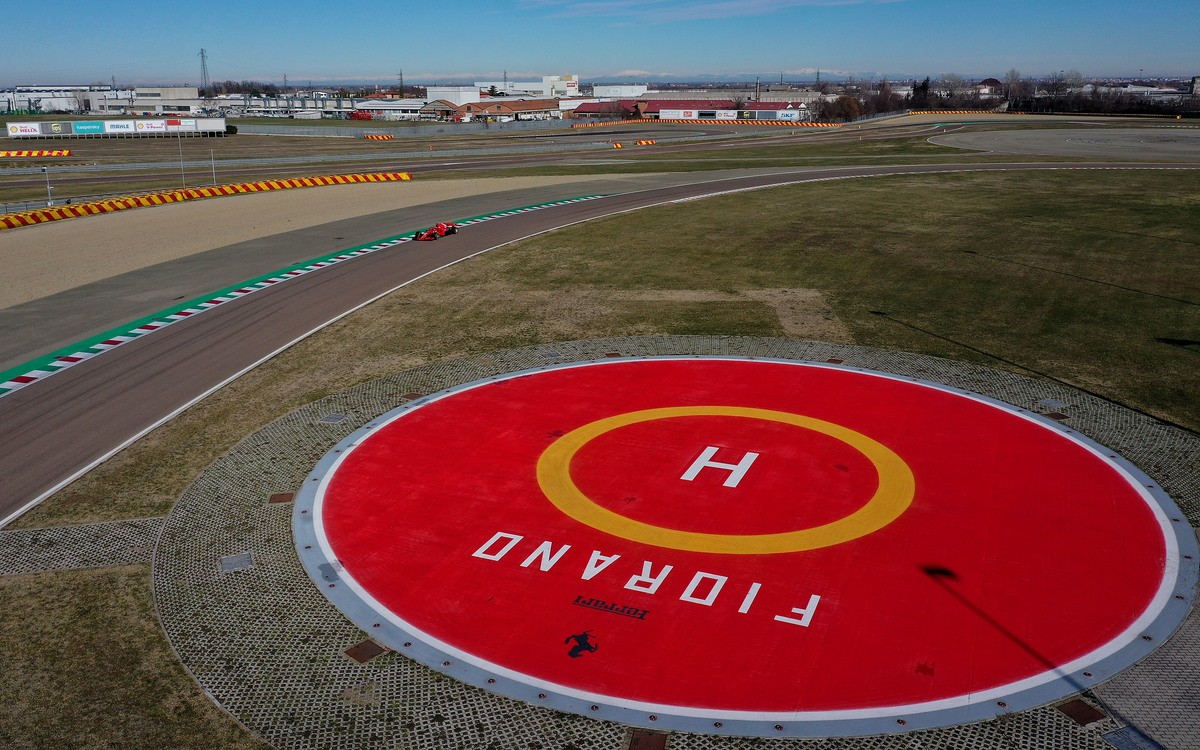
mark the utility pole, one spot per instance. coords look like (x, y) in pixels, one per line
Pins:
(49, 195)
(182, 174)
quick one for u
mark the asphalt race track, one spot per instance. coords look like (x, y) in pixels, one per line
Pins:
(1166, 144)
(57, 428)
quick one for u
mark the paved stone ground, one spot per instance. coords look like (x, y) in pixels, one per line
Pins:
(260, 638)
(98, 545)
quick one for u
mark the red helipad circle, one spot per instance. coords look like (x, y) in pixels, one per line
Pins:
(1016, 552)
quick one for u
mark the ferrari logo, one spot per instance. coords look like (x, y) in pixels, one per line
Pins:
(583, 644)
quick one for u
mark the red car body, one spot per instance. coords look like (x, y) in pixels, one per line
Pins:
(437, 230)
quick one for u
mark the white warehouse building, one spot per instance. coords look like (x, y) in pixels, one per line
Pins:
(62, 98)
(550, 87)
(624, 91)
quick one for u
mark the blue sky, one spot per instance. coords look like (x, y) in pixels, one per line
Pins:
(614, 40)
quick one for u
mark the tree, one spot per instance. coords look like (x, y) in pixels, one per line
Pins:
(1056, 85)
(845, 108)
(1012, 84)
(920, 95)
(611, 109)
(883, 99)
(954, 85)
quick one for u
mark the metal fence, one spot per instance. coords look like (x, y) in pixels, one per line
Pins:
(407, 131)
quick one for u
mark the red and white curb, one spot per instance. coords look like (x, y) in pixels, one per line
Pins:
(64, 361)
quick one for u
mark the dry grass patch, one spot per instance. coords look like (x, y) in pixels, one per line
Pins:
(86, 666)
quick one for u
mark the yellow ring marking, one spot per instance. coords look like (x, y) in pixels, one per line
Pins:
(892, 497)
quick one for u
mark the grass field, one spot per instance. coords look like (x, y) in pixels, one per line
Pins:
(1090, 278)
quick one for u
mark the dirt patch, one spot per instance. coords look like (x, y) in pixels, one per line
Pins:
(803, 313)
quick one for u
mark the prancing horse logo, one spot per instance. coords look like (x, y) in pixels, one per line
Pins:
(583, 644)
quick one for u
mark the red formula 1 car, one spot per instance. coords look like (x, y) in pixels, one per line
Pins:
(437, 230)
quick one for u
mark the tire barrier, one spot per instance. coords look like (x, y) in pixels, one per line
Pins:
(60, 152)
(646, 143)
(29, 218)
(618, 145)
(608, 123)
(379, 137)
(955, 112)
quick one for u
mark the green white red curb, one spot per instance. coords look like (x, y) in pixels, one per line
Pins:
(39, 369)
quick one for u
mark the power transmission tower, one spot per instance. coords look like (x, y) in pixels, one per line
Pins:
(401, 76)
(204, 82)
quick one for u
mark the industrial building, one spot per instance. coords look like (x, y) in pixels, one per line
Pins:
(695, 109)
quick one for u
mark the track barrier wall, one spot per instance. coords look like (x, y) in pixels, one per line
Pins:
(70, 211)
(55, 152)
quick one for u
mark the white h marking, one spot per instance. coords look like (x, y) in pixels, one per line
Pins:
(736, 471)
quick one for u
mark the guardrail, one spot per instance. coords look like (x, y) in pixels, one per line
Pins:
(402, 131)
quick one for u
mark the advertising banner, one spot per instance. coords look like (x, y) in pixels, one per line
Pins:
(677, 114)
(792, 115)
(727, 114)
(24, 129)
(120, 127)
